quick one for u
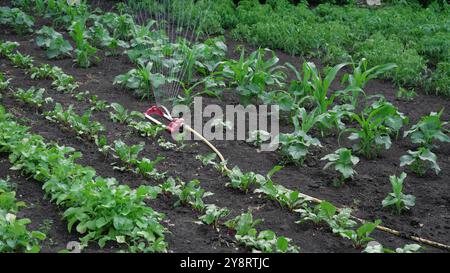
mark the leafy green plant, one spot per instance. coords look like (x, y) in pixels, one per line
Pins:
(120, 114)
(405, 94)
(146, 129)
(82, 125)
(265, 241)
(85, 53)
(14, 236)
(32, 96)
(44, 71)
(190, 193)
(143, 81)
(147, 167)
(376, 247)
(397, 198)
(102, 144)
(22, 61)
(258, 137)
(213, 214)
(127, 154)
(295, 146)
(360, 237)
(239, 180)
(420, 161)
(17, 19)
(374, 131)
(253, 74)
(4, 82)
(343, 162)
(7, 47)
(54, 42)
(338, 221)
(429, 129)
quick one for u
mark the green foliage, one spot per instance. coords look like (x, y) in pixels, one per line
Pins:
(190, 193)
(85, 53)
(32, 96)
(17, 19)
(265, 241)
(4, 82)
(376, 123)
(343, 162)
(54, 42)
(22, 61)
(143, 81)
(420, 161)
(83, 125)
(127, 154)
(360, 236)
(146, 129)
(397, 199)
(295, 146)
(99, 209)
(120, 114)
(430, 128)
(213, 214)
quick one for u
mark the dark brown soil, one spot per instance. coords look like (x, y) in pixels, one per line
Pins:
(430, 218)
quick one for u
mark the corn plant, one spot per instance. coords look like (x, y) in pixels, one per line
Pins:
(420, 161)
(430, 128)
(320, 87)
(343, 162)
(360, 77)
(85, 53)
(213, 214)
(53, 42)
(32, 96)
(397, 199)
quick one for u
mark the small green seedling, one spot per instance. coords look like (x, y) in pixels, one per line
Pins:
(397, 198)
(343, 161)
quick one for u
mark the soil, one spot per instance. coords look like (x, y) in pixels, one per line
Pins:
(430, 218)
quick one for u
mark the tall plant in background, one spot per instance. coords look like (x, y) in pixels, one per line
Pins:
(84, 51)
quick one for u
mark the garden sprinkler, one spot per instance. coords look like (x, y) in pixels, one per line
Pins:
(175, 124)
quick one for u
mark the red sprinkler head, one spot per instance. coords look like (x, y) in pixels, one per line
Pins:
(154, 110)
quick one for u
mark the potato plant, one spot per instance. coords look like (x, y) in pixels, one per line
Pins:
(343, 162)
(420, 161)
